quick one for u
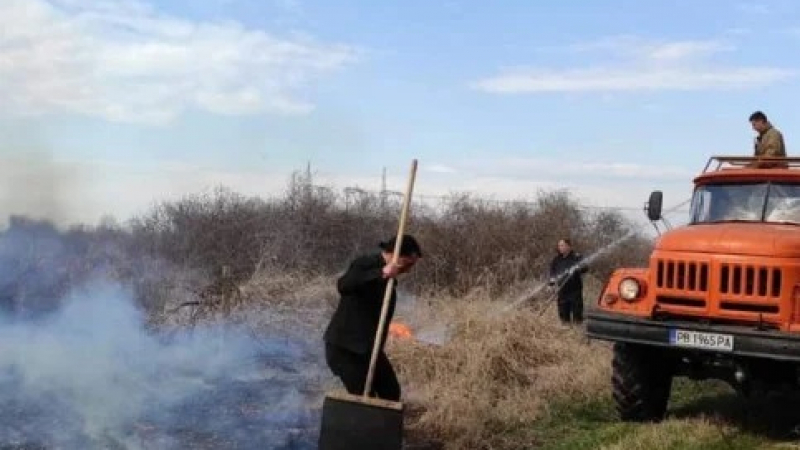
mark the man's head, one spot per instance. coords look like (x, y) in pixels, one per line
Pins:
(759, 121)
(410, 251)
(564, 246)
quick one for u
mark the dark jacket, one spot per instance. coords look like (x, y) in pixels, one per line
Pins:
(561, 264)
(355, 321)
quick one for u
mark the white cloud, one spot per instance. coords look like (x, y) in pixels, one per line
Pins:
(122, 60)
(644, 65)
(683, 50)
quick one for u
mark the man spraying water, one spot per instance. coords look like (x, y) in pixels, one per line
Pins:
(566, 270)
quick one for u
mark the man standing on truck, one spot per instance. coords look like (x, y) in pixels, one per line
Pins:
(566, 270)
(769, 142)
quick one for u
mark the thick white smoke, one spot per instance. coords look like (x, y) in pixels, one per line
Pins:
(87, 372)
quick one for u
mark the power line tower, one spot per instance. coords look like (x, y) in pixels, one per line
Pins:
(383, 188)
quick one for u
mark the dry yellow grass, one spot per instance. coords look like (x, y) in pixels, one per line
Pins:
(502, 379)
(289, 288)
(290, 302)
(497, 373)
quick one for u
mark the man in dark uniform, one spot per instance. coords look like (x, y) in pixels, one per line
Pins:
(350, 335)
(565, 273)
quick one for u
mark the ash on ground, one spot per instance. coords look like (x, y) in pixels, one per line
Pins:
(82, 368)
(90, 377)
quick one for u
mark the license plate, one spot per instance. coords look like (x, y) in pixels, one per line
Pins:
(697, 339)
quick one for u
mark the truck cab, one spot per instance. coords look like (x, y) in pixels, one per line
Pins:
(720, 297)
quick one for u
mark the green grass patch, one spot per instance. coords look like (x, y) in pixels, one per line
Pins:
(706, 415)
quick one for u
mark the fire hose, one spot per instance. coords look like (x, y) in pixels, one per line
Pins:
(562, 278)
(557, 284)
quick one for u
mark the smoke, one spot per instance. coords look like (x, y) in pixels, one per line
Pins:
(36, 185)
(88, 372)
(427, 326)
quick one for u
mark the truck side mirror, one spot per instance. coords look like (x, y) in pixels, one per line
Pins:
(654, 205)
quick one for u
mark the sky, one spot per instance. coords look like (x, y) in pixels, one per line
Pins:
(111, 105)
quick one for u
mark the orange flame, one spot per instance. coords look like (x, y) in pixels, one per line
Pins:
(399, 330)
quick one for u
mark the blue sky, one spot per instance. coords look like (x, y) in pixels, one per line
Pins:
(123, 102)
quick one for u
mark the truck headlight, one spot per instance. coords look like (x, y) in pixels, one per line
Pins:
(629, 289)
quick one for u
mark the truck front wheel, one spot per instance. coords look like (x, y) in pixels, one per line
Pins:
(642, 379)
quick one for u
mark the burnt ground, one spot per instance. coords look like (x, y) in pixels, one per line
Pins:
(262, 409)
(267, 406)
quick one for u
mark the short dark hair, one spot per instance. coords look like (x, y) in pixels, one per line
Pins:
(758, 115)
(408, 247)
(566, 241)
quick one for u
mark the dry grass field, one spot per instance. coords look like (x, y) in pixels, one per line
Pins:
(518, 380)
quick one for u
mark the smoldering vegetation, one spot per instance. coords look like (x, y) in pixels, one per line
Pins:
(89, 376)
(89, 360)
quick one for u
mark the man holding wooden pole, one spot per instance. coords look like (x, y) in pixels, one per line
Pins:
(352, 331)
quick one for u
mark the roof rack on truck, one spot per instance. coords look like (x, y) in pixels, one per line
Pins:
(742, 162)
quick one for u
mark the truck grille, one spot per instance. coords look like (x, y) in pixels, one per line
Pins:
(738, 288)
(749, 281)
(691, 276)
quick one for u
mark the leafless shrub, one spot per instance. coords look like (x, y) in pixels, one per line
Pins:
(468, 241)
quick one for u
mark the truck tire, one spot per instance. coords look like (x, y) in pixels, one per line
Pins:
(642, 381)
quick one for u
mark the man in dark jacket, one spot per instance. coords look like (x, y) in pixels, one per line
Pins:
(350, 335)
(565, 273)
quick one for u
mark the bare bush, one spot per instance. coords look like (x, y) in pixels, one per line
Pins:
(223, 238)
(468, 242)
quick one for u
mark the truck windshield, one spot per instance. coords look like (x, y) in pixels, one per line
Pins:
(756, 202)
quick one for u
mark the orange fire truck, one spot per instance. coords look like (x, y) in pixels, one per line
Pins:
(720, 298)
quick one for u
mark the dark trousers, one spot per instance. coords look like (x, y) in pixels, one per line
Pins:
(570, 307)
(352, 369)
